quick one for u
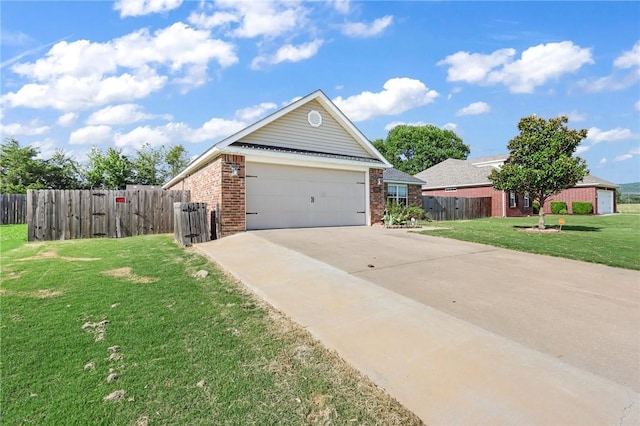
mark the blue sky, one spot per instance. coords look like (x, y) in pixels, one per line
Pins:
(76, 74)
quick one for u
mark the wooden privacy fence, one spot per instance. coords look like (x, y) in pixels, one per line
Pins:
(72, 214)
(191, 223)
(13, 209)
(456, 208)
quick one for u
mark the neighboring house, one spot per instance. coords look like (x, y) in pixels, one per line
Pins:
(469, 178)
(402, 188)
(305, 165)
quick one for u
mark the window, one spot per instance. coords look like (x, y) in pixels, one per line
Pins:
(527, 202)
(397, 194)
(450, 189)
(513, 200)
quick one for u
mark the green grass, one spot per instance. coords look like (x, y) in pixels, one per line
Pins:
(629, 208)
(194, 351)
(12, 236)
(611, 240)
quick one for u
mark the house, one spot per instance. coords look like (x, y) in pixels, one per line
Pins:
(469, 178)
(402, 188)
(306, 165)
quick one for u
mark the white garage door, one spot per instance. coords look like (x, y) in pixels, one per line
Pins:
(300, 197)
(605, 201)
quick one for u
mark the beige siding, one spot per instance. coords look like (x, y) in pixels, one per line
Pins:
(293, 131)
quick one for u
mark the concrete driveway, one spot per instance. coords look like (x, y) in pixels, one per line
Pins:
(460, 333)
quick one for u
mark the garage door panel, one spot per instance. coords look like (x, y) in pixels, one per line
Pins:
(290, 197)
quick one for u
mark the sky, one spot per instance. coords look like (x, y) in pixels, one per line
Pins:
(77, 74)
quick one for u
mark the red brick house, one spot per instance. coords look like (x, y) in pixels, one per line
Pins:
(469, 178)
(402, 188)
(305, 165)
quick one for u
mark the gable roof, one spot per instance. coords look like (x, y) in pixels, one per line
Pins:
(234, 144)
(452, 173)
(396, 176)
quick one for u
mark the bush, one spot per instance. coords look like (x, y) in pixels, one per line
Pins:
(536, 207)
(558, 206)
(563, 211)
(396, 214)
(582, 207)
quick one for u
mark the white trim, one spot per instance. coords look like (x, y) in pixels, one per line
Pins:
(367, 196)
(303, 160)
(404, 182)
(406, 198)
(504, 206)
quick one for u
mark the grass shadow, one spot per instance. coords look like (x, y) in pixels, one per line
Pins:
(579, 228)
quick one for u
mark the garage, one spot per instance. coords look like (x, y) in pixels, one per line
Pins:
(605, 201)
(282, 196)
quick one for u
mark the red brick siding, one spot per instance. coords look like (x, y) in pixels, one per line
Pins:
(569, 195)
(377, 196)
(573, 194)
(215, 185)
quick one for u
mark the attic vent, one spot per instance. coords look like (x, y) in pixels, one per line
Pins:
(314, 118)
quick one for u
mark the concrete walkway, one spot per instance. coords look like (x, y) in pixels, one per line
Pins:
(446, 370)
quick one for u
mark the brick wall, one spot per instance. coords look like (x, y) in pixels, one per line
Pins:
(415, 195)
(377, 196)
(568, 196)
(574, 194)
(233, 219)
(216, 185)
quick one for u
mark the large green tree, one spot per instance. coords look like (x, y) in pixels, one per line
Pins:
(176, 159)
(149, 165)
(541, 161)
(413, 149)
(110, 170)
(63, 172)
(20, 168)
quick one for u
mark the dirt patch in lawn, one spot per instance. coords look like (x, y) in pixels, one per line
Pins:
(129, 276)
(542, 231)
(47, 255)
(38, 294)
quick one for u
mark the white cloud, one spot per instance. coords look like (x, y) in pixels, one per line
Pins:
(82, 74)
(289, 53)
(576, 116)
(91, 135)
(450, 126)
(596, 135)
(342, 6)
(290, 101)
(142, 135)
(213, 129)
(267, 18)
(536, 66)
(252, 113)
(120, 115)
(474, 109)
(602, 162)
(362, 29)
(393, 124)
(637, 106)
(202, 20)
(145, 7)
(47, 147)
(582, 148)
(18, 129)
(629, 155)
(629, 59)
(398, 95)
(66, 120)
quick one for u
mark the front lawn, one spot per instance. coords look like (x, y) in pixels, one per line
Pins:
(612, 240)
(120, 332)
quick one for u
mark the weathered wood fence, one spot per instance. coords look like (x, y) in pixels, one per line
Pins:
(191, 223)
(13, 209)
(72, 214)
(456, 208)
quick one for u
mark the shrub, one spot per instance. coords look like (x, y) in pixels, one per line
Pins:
(396, 214)
(536, 207)
(563, 211)
(558, 206)
(582, 207)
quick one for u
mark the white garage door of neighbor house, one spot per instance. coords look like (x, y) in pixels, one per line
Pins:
(303, 197)
(605, 201)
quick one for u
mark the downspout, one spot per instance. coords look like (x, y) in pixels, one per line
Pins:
(504, 207)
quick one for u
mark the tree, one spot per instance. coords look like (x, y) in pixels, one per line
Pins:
(62, 172)
(112, 170)
(541, 161)
(413, 149)
(149, 165)
(20, 169)
(176, 159)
